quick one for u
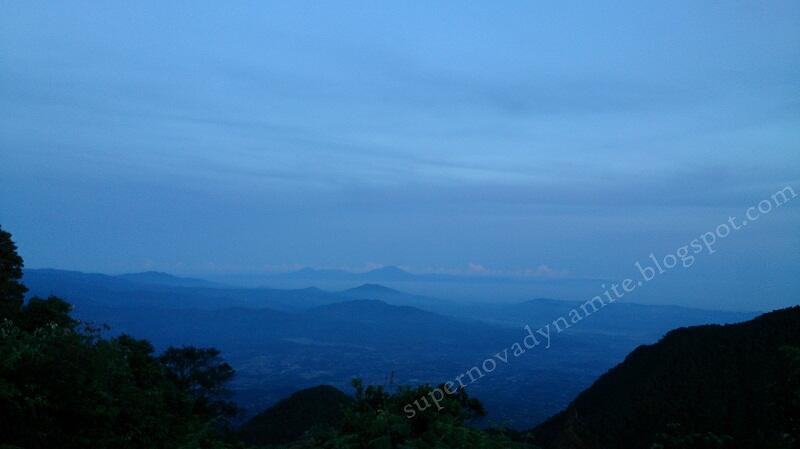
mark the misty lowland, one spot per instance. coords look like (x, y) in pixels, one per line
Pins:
(399, 225)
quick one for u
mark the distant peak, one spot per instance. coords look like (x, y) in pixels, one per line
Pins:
(150, 273)
(387, 273)
(373, 287)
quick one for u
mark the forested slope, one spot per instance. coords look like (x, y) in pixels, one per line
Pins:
(733, 385)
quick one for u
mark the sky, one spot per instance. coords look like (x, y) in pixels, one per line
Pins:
(564, 139)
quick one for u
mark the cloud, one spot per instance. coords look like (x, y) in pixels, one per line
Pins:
(543, 271)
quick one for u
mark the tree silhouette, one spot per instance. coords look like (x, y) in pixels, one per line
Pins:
(64, 385)
(12, 292)
(203, 374)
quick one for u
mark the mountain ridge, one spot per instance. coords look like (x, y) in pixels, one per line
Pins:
(735, 370)
(162, 278)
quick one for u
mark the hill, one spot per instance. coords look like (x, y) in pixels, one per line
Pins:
(290, 418)
(400, 298)
(372, 291)
(728, 383)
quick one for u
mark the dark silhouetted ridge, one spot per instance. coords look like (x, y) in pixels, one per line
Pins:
(290, 418)
(731, 382)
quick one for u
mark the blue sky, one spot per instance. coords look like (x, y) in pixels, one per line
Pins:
(201, 138)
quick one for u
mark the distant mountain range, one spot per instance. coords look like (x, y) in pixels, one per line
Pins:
(385, 274)
(159, 278)
(281, 340)
(451, 287)
(160, 290)
(165, 291)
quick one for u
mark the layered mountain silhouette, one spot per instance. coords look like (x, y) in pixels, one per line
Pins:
(282, 340)
(160, 290)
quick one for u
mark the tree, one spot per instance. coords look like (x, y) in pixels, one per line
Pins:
(12, 292)
(203, 374)
(64, 385)
(52, 311)
(377, 420)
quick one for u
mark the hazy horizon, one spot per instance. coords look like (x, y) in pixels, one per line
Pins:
(452, 287)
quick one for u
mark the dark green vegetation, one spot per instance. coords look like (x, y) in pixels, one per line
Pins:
(375, 419)
(64, 386)
(734, 386)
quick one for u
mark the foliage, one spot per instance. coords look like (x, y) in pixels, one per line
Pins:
(377, 420)
(63, 385)
(676, 438)
(203, 375)
(12, 292)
